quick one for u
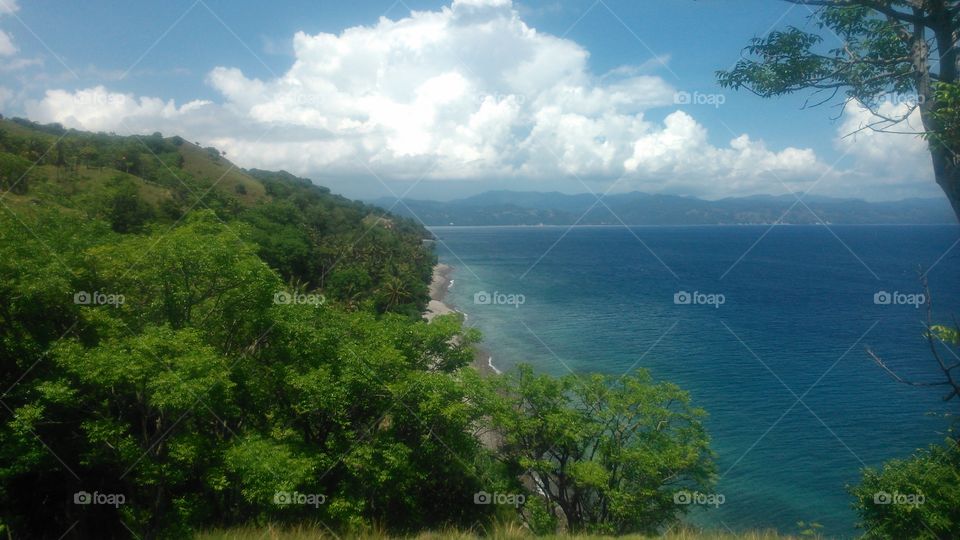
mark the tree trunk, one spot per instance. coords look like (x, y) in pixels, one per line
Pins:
(947, 173)
(946, 164)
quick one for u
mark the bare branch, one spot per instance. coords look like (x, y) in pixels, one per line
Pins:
(932, 340)
(886, 121)
(806, 103)
(879, 361)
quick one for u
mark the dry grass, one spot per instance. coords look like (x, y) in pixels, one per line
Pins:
(509, 531)
(221, 173)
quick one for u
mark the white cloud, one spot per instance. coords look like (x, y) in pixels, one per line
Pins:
(97, 109)
(681, 156)
(8, 7)
(7, 47)
(468, 92)
(886, 164)
(6, 96)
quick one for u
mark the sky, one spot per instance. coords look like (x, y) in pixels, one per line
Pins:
(445, 99)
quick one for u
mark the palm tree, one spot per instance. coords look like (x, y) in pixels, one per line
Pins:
(394, 291)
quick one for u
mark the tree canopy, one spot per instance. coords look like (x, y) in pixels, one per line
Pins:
(175, 356)
(900, 48)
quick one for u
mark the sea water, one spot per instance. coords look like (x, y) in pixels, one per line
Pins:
(766, 327)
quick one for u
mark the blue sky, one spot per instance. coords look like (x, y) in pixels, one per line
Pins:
(171, 50)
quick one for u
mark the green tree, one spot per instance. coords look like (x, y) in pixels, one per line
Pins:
(128, 212)
(89, 155)
(888, 47)
(608, 453)
(151, 415)
(13, 173)
(917, 497)
(199, 397)
(393, 292)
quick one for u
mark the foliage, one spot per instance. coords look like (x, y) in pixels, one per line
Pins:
(946, 334)
(349, 250)
(609, 453)
(207, 357)
(128, 212)
(13, 172)
(872, 61)
(947, 115)
(904, 49)
(917, 497)
(199, 399)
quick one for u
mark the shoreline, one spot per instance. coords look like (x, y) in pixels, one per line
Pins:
(439, 286)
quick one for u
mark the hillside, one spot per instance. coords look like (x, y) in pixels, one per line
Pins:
(535, 208)
(137, 183)
(187, 340)
(186, 346)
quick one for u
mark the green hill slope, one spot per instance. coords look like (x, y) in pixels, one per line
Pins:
(351, 251)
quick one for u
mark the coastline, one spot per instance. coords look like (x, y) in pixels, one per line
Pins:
(439, 286)
(438, 290)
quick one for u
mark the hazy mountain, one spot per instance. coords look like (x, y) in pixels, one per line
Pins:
(636, 208)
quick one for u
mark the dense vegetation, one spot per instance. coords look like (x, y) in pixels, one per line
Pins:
(188, 346)
(185, 345)
(353, 252)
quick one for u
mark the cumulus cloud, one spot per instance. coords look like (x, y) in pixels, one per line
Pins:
(467, 92)
(97, 109)
(8, 7)
(890, 164)
(10, 61)
(470, 88)
(680, 153)
(6, 95)
(7, 46)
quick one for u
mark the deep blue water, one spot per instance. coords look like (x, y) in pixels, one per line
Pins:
(799, 310)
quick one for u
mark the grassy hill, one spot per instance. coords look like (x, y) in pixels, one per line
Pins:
(208, 163)
(68, 164)
(135, 183)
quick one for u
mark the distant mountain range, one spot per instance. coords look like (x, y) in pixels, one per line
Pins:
(636, 208)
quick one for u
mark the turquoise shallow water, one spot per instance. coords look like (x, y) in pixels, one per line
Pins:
(798, 310)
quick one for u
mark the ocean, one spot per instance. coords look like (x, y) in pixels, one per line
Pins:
(765, 327)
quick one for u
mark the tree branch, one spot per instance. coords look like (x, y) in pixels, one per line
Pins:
(876, 6)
